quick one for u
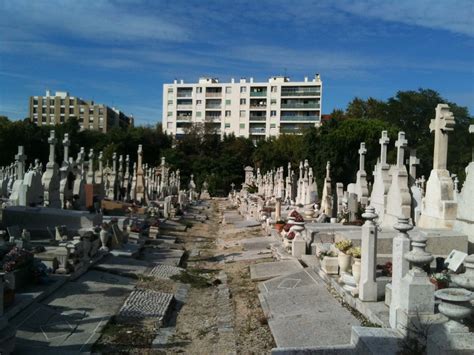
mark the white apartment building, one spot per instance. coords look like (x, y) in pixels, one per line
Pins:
(245, 108)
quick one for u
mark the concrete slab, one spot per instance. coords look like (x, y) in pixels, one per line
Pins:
(71, 319)
(124, 266)
(127, 250)
(307, 316)
(173, 226)
(163, 256)
(265, 271)
(247, 224)
(301, 278)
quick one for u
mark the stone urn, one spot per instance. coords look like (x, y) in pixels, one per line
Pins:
(344, 261)
(356, 270)
(456, 305)
(104, 238)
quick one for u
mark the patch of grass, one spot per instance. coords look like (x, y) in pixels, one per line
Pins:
(192, 278)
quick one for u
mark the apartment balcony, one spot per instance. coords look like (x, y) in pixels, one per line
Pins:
(187, 94)
(258, 93)
(184, 107)
(257, 118)
(213, 106)
(293, 105)
(300, 93)
(183, 118)
(257, 130)
(299, 118)
(213, 118)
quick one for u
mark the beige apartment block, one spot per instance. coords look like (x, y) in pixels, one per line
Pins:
(255, 110)
(58, 108)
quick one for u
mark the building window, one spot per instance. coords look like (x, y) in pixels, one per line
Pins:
(242, 126)
(91, 111)
(227, 125)
(198, 102)
(170, 102)
(51, 110)
(274, 89)
(273, 101)
(273, 113)
(228, 113)
(43, 102)
(243, 101)
(198, 114)
(101, 111)
(242, 113)
(199, 90)
(35, 109)
(228, 90)
(35, 101)
(71, 110)
(243, 89)
(170, 90)
(272, 125)
(63, 110)
(62, 102)
(170, 113)
(51, 102)
(170, 125)
(81, 110)
(227, 102)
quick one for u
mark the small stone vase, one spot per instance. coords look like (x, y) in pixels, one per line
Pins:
(356, 270)
(104, 238)
(344, 261)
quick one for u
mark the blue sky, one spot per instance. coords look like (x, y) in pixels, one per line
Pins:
(121, 52)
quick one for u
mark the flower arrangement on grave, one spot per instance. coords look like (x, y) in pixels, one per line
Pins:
(17, 258)
(297, 217)
(440, 280)
(279, 225)
(344, 259)
(321, 254)
(386, 268)
(290, 236)
(343, 245)
(355, 252)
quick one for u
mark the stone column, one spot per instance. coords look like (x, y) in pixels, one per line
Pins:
(90, 170)
(416, 290)
(413, 161)
(400, 266)
(367, 283)
(50, 178)
(278, 209)
(20, 163)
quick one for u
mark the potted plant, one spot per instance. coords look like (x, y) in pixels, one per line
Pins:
(440, 280)
(329, 262)
(17, 265)
(279, 225)
(343, 258)
(355, 253)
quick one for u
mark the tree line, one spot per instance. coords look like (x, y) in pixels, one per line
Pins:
(221, 161)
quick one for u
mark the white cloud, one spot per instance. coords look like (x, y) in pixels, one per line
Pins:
(455, 15)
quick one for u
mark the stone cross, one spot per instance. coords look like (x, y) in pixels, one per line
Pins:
(362, 151)
(140, 157)
(101, 157)
(52, 142)
(301, 170)
(328, 170)
(232, 186)
(121, 164)
(127, 165)
(441, 125)
(66, 144)
(413, 161)
(20, 163)
(401, 144)
(114, 163)
(384, 140)
(91, 166)
(471, 130)
(456, 183)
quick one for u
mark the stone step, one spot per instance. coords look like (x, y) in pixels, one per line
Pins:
(376, 341)
(265, 271)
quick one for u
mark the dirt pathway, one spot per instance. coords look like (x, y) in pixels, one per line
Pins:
(221, 316)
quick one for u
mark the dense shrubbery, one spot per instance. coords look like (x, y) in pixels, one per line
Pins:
(221, 162)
